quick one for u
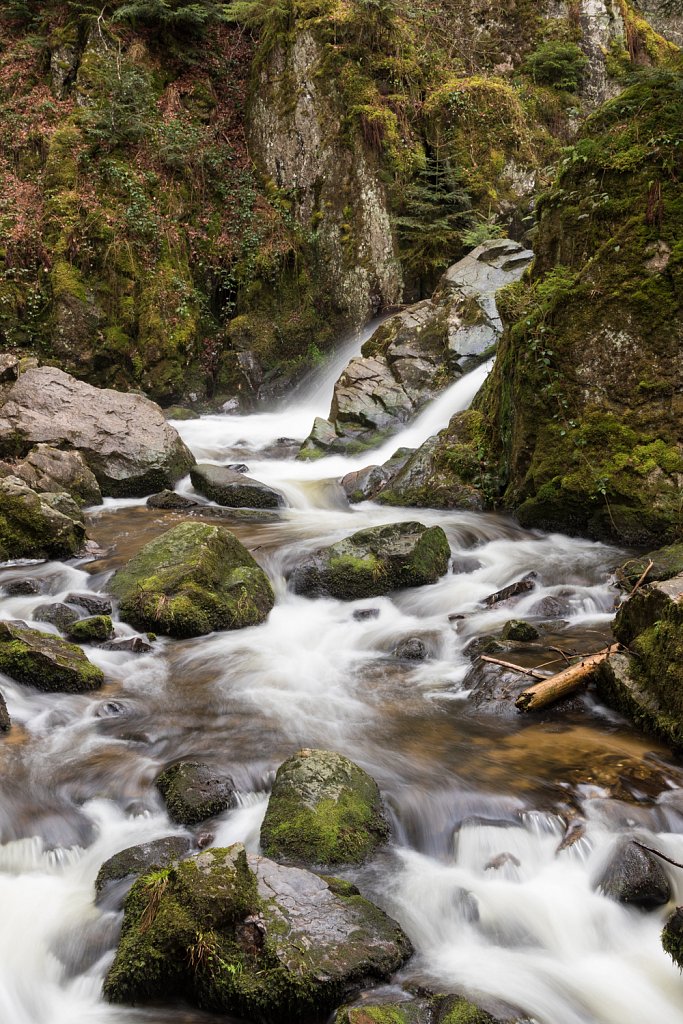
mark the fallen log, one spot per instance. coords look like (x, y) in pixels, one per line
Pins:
(512, 667)
(520, 587)
(562, 683)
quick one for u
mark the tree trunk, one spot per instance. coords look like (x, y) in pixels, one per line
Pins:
(565, 682)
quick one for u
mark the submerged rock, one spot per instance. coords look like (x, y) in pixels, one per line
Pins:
(634, 876)
(192, 580)
(231, 488)
(171, 500)
(250, 938)
(135, 644)
(124, 438)
(323, 809)
(45, 661)
(37, 525)
(373, 562)
(141, 859)
(93, 630)
(411, 649)
(194, 792)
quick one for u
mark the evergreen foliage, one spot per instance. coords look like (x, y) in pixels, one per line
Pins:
(558, 64)
(172, 14)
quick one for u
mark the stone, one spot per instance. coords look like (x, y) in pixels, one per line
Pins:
(179, 412)
(374, 562)
(93, 630)
(439, 1009)
(672, 936)
(45, 661)
(5, 720)
(140, 860)
(123, 438)
(364, 614)
(517, 629)
(95, 604)
(21, 588)
(133, 644)
(323, 809)
(260, 941)
(411, 649)
(9, 367)
(171, 500)
(193, 792)
(667, 562)
(192, 580)
(46, 468)
(57, 614)
(32, 527)
(635, 877)
(364, 484)
(231, 488)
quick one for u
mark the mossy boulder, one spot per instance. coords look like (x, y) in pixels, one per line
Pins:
(233, 489)
(672, 937)
(250, 938)
(46, 468)
(45, 661)
(323, 809)
(517, 629)
(192, 580)
(373, 562)
(37, 525)
(5, 720)
(440, 1009)
(193, 791)
(140, 860)
(93, 630)
(666, 562)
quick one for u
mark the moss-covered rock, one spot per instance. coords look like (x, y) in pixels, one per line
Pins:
(441, 1009)
(517, 629)
(193, 791)
(323, 809)
(37, 525)
(45, 661)
(233, 489)
(141, 860)
(666, 562)
(192, 580)
(5, 720)
(672, 937)
(93, 630)
(373, 562)
(249, 938)
(49, 469)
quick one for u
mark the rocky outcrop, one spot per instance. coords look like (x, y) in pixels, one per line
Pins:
(250, 938)
(415, 354)
(228, 487)
(44, 661)
(192, 580)
(49, 469)
(323, 809)
(123, 438)
(193, 791)
(373, 562)
(665, 16)
(47, 525)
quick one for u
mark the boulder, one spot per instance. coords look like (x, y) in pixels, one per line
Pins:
(93, 630)
(250, 938)
(45, 661)
(411, 649)
(194, 792)
(21, 588)
(37, 525)
(666, 562)
(634, 876)
(518, 629)
(373, 562)
(134, 644)
(171, 500)
(323, 809)
(141, 859)
(233, 489)
(57, 614)
(365, 484)
(192, 580)
(94, 604)
(46, 468)
(123, 438)
(672, 937)
(5, 720)
(440, 1009)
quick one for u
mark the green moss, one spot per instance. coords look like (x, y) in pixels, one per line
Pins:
(31, 529)
(517, 629)
(46, 662)
(93, 630)
(672, 937)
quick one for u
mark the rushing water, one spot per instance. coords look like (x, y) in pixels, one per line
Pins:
(463, 783)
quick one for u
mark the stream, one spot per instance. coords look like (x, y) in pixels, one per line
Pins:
(463, 783)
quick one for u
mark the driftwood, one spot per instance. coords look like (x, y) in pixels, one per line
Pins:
(563, 683)
(514, 668)
(520, 587)
(642, 578)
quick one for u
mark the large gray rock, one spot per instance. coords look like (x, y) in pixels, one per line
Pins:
(32, 525)
(49, 469)
(233, 489)
(193, 791)
(124, 438)
(415, 354)
(634, 876)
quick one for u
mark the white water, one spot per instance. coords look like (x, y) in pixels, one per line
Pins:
(78, 773)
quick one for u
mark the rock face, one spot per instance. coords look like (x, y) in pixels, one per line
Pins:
(32, 525)
(194, 792)
(373, 562)
(634, 876)
(250, 938)
(414, 355)
(140, 860)
(323, 809)
(647, 685)
(46, 662)
(124, 438)
(49, 469)
(192, 580)
(233, 489)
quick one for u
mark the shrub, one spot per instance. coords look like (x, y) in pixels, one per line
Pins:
(558, 64)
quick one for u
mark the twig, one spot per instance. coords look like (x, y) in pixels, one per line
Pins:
(642, 578)
(515, 668)
(558, 650)
(658, 854)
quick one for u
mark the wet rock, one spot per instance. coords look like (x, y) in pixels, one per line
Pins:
(364, 614)
(46, 468)
(141, 859)
(123, 438)
(636, 877)
(323, 809)
(193, 580)
(57, 614)
(231, 488)
(374, 562)
(522, 586)
(262, 941)
(411, 649)
(494, 689)
(666, 562)
(170, 500)
(5, 720)
(94, 604)
(180, 412)
(135, 644)
(95, 629)
(672, 937)
(238, 467)
(518, 629)
(439, 1009)
(364, 484)
(32, 527)
(483, 645)
(21, 588)
(45, 661)
(193, 792)
(550, 607)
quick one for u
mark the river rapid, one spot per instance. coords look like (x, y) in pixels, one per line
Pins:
(463, 783)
